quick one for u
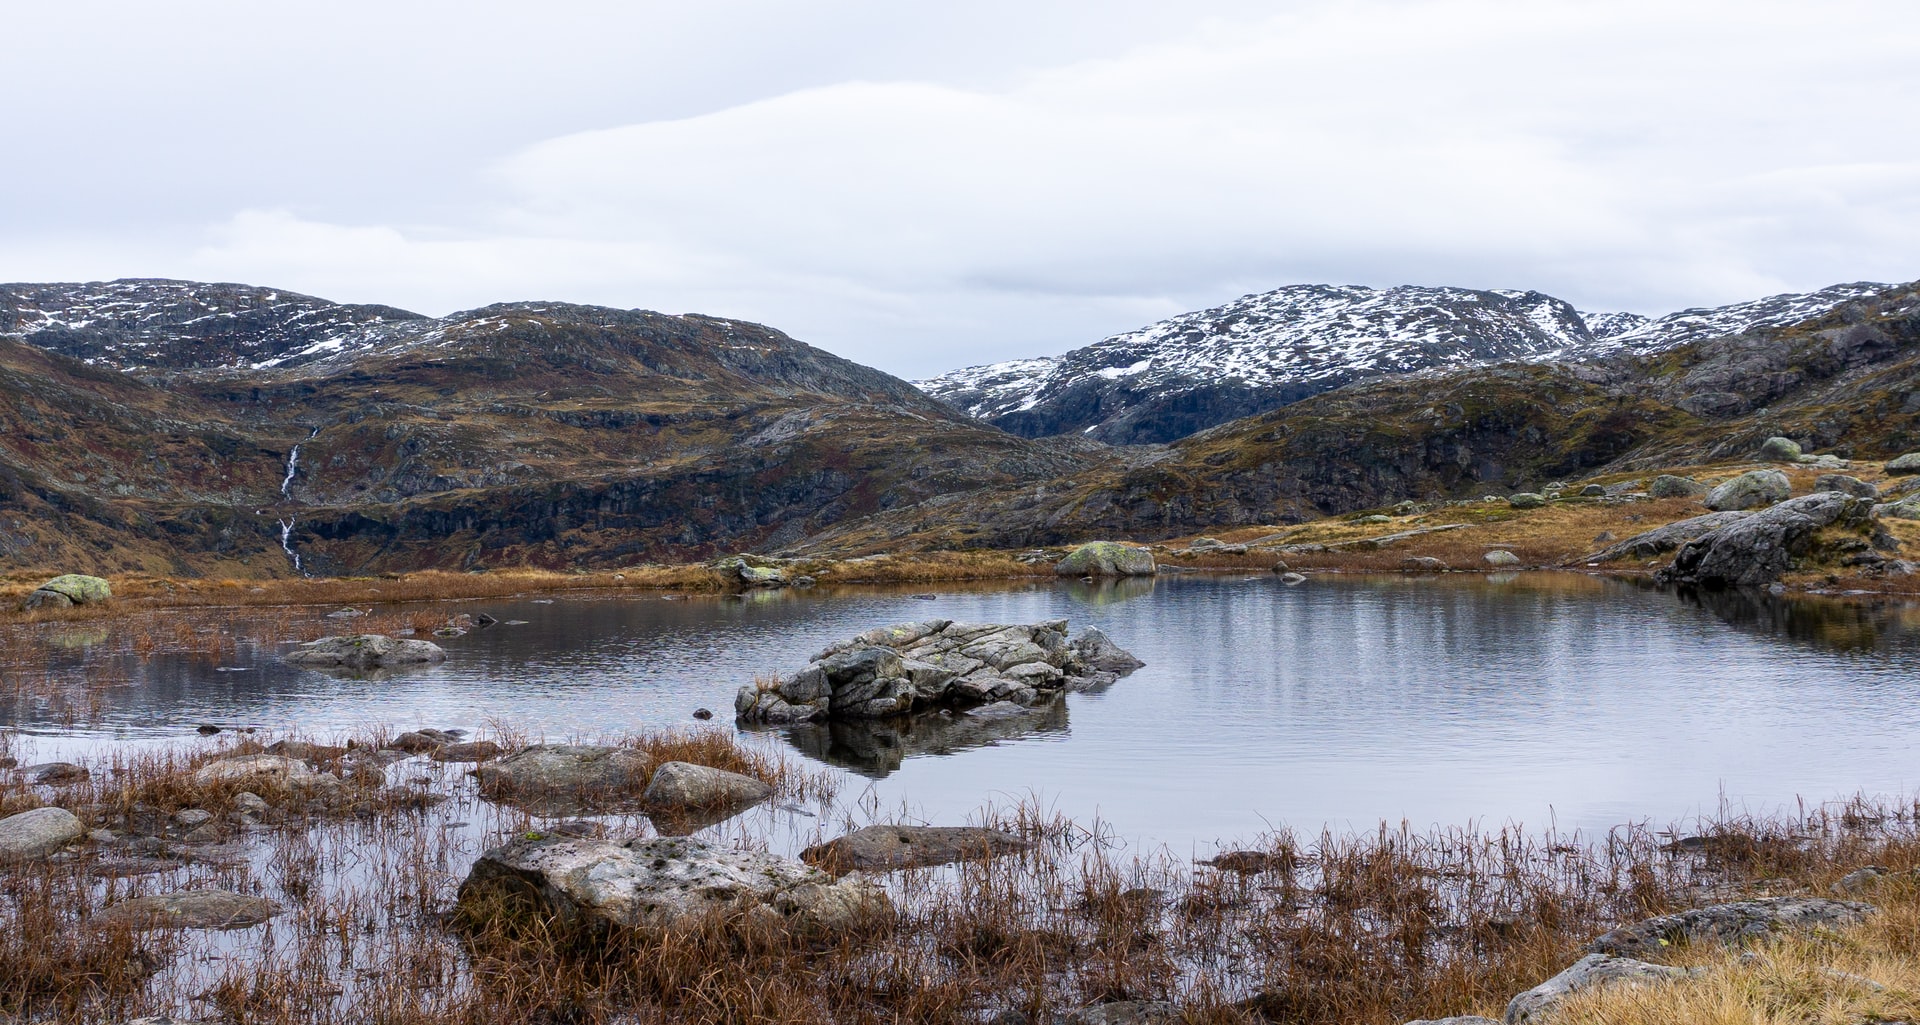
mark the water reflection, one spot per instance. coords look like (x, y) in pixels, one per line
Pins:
(877, 748)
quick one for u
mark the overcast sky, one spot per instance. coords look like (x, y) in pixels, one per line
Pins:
(925, 186)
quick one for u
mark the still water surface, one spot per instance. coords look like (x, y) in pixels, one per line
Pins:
(1344, 702)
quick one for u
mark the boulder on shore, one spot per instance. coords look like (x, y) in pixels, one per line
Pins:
(1755, 551)
(883, 848)
(1664, 539)
(752, 571)
(680, 786)
(659, 884)
(1539, 1003)
(1107, 559)
(1750, 489)
(912, 667)
(366, 651)
(66, 590)
(1730, 924)
(37, 833)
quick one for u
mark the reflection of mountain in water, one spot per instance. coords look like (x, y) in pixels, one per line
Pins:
(1827, 624)
(876, 748)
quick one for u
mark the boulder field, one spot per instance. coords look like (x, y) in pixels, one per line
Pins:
(937, 663)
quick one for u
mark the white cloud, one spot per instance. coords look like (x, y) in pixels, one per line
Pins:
(1636, 154)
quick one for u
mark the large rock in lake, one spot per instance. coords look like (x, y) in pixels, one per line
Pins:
(190, 909)
(937, 663)
(684, 786)
(566, 777)
(1750, 489)
(881, 848)
(366, 651)
(658, 884)
(1107, 559)
(1755, 551)
(38, 833)
(68, 589)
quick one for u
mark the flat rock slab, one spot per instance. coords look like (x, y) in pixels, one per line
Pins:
(256, 769)
(192, 909)
(883, 848)
(662, 883)
(1755, 551)
(1724, 924)
(469, 751)
(366, 651)
(1538, 1004)
(38, 833)
(1661, 540)
(577, 777)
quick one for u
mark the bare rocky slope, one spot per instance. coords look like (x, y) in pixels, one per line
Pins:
(1168, 380)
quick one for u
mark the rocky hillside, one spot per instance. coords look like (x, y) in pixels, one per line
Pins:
(184, 428)
(1845, 381)
(1168, 380)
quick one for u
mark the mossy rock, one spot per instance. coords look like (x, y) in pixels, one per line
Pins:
(1107, 559)
(1668, 485)
(1902, 466)
(1780, 450)
(1527, 500)
(69, 589)
(1750, 489)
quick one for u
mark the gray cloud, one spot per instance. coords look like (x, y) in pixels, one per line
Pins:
(919, 191)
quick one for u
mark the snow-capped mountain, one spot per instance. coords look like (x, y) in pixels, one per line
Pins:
(1190, 372)
(161, 324)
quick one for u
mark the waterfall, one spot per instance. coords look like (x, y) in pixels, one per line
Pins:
(286, 544)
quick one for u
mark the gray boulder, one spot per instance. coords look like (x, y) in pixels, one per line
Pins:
(1850, 485)
(56, 774)
(660, 884)
(38, 833)
(1729, 924)
(917, 667)
(686, 786)
(1526, 500)
(1750, 489)
(192, 909)
(883, 848)
(1780, 450)
(1594, 970)
(1422, 564)
(366, 651)
(1755, 551)
(1107, 559)
(752, 571)
(1662, 540)
(1902, 466)
(1502, 558)
(1669, 486)
(566, 777)
(250, 769)
(1906, 509)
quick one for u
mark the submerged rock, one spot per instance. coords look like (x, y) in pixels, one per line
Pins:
(1539, 1003)
(38, 833)
(1727, 924)
(912, 667)
(366, 651)
(1755, 551)
(1750, 489)
(191, 909)
(1107, 559)
(659, 884)
(56, 774)
(883, 848)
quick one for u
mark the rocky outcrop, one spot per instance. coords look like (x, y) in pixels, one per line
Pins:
(1750, 489)
(1841, 482)
(1728, 924)
(1755, 551)
(1663, 539)
(366, 651)
(937, 663)
(1538, 1004)
(884, 848)
(661, 884)
(68, 590)
(1107, 559)
(191, 909)
(38, 833)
